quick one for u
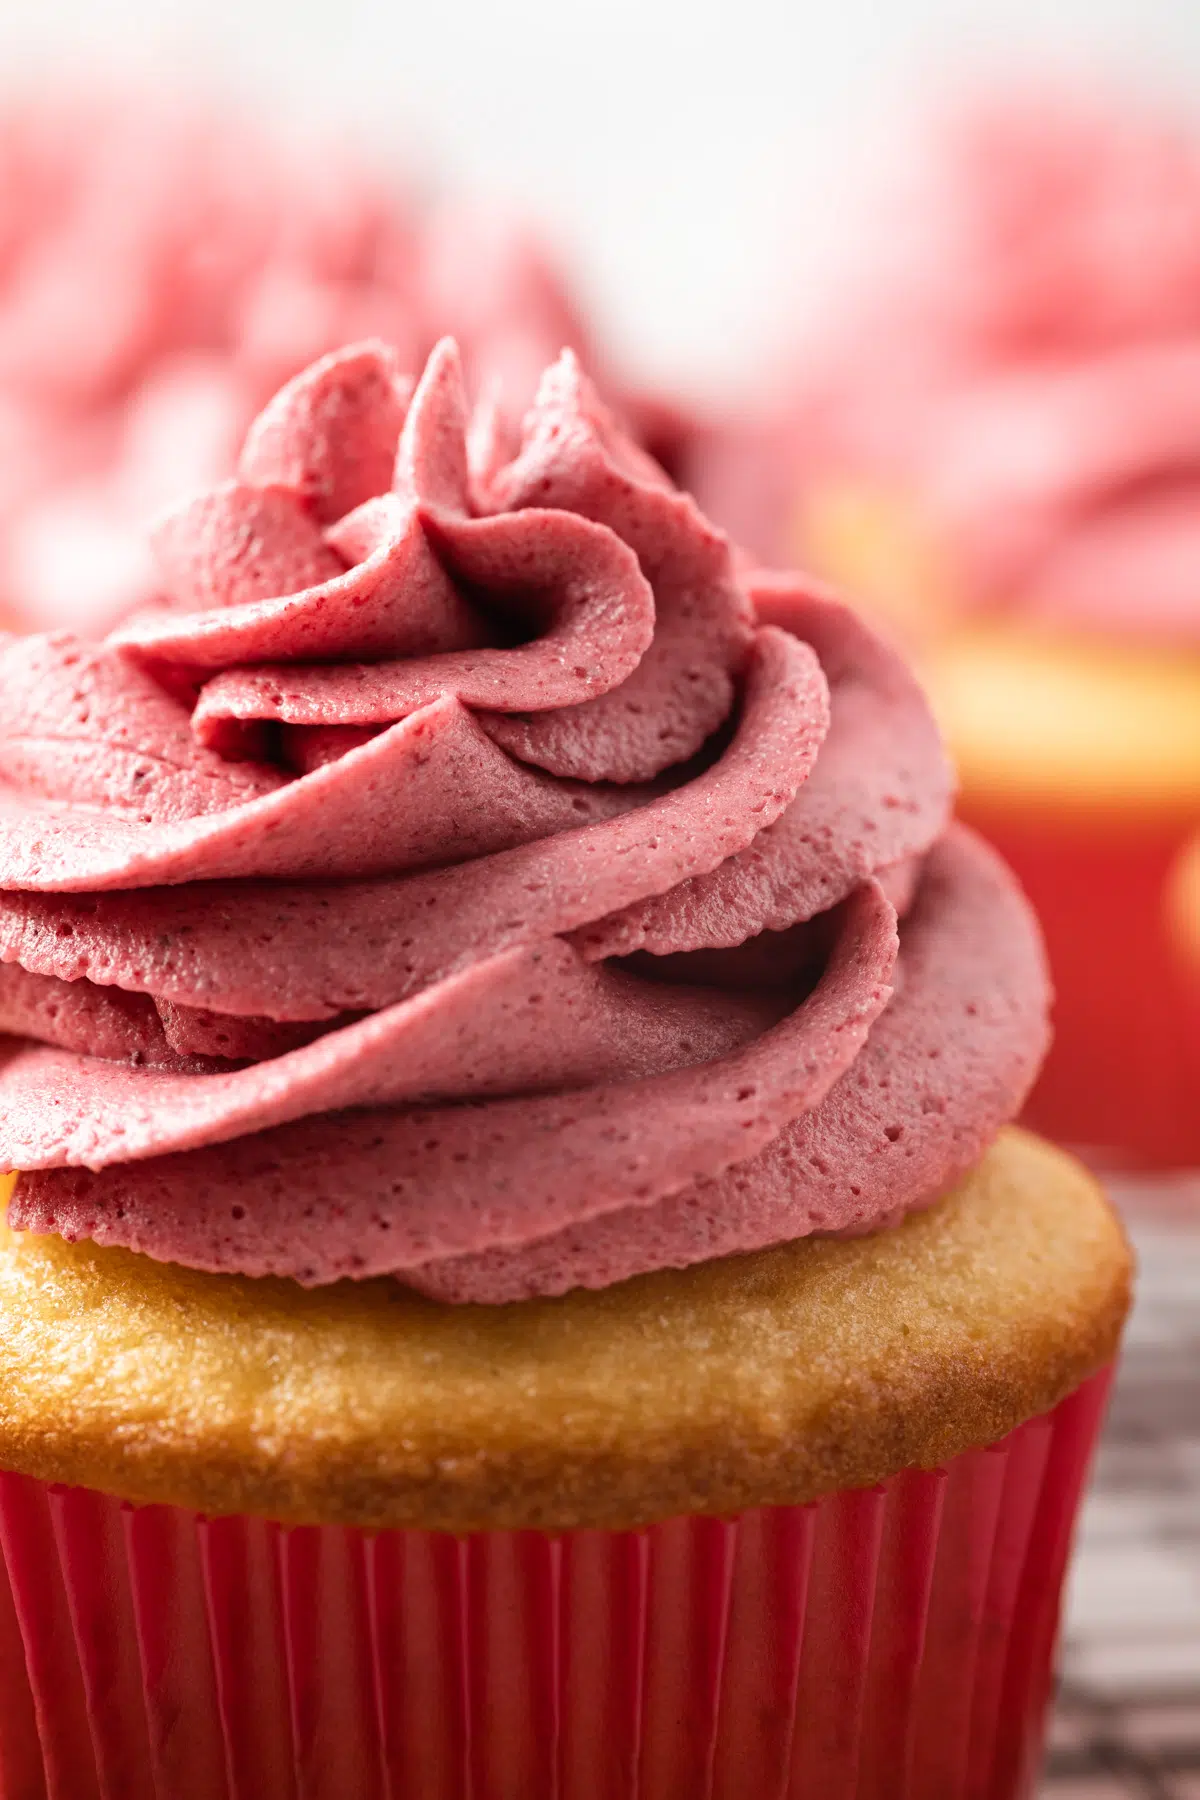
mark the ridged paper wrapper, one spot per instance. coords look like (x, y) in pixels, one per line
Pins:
(891, 1643)
(1121, 1080)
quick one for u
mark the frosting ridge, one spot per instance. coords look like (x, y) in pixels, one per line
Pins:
(164, 266)
(463, 872)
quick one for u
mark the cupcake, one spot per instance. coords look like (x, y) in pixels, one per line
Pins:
(520, 1282)
(164, 267)
(996, 452)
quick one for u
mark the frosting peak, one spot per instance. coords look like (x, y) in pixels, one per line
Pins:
(461, 872)
(163, 268)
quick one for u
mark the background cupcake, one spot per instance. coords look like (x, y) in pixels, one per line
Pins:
(164, 265)
(995, 450)
(508, 1067)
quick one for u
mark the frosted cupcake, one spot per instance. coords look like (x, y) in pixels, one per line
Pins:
(519, 1282)
(997, 454)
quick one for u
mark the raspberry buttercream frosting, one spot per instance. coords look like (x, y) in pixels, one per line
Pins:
(1016, 353)
(463, 873)
(164, 267)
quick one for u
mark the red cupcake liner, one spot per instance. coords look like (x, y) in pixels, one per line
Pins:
(1122, 1080)
(891, 1643)
(1183, 931)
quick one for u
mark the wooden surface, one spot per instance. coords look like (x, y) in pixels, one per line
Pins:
(1128, 1720)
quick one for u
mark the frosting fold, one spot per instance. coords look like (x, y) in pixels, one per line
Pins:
(514, 894)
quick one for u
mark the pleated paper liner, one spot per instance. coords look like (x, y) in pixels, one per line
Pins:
(1182, 920)
(1120, 1079)
(892, 1643)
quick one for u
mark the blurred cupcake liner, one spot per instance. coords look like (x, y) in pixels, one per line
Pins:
(882, 1643)
(1120, 1082)
(1182, 922)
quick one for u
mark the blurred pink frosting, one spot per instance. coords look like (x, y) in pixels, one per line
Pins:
(163, 268)
(461, 873)
(1019, 351)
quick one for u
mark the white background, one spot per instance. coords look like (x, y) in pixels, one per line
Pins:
(695, 159)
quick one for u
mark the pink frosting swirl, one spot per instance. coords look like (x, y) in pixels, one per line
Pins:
(1019, 351)
(462, 874)
(163, 268)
